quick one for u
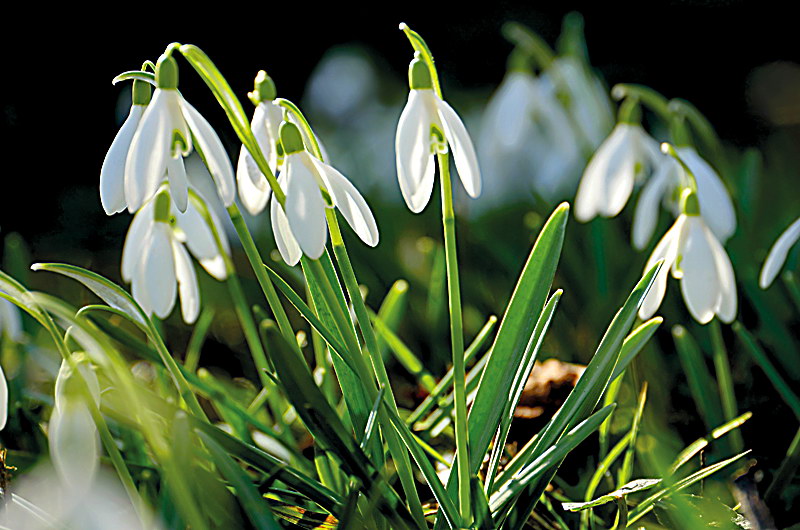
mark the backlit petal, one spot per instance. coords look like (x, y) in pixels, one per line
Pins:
(777, 254)
(413, 155)
(305, 207)
(350, 202)
(178, 185)
(254, 197)
(726, 311)
(112, 173)
(699, 283)
(74, 445)
(606, 172)
(158, 271)
(463, 151)
(666, 249)
(146, 163)
(187, 283)
(133, 248)
(715, 201)
(645, 215)
(285, 241)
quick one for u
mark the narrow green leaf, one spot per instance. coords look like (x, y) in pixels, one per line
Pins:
(701, 443)
(392, 309)
(404, 355)
(620, 493)
(634, 343)
(701, 382)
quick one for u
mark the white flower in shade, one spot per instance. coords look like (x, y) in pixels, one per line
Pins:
(696, 258)
(3, 399)
(427, 125)
(164, 137)
(10, 321)
(155, 260)
(73, 435)
(300, 226)
(609, 177)
(112, 173)
(663, 186)
(777, 254)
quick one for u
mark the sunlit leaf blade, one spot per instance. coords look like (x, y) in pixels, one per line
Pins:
(620, 493)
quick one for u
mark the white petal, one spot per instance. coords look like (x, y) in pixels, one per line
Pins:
(699, 284)
(666, 249)
(463, 151)
(350, 202)
(133, 248)
(726, 311)
(217, 159)
(187, 283)
(178, 185)
(716, 206)
(10, 321)
(149, 152)
(305, 207)
(607, 181)
(65, 373)
(112, 173)
(509, 114)
(265, 125)
(158, 271)
(199, 237)
(645, 215)
(254, 197)
(413, 155)
(285, 241)
(74, 446)
(777, 254)
(3, 398)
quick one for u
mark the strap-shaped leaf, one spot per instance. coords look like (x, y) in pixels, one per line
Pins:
(631, 487)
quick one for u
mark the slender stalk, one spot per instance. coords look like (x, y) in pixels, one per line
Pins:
(249, 328)
(785, 473)
(362, 315)
(257, 265)
(725, 381)
(456, 338)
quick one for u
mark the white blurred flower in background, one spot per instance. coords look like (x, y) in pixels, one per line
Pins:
(777, 254)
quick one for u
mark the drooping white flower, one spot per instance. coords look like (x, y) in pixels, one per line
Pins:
(777, 254)
(427, 125)
(73, 435)
(164, 137)
(155, 259)
(300, 226)
(3, 399)
(112, 173)
(693, 254)
(609, 177)
(662, 187)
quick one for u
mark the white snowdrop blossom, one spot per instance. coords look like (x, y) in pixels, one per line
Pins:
(164, 137)
(300, 226)
(694, 256)
(777, 254)
(428, 125)
(112, 173)
(609, 177)
(662, 187)
(3, 399)
(73, 435)
(155, 260)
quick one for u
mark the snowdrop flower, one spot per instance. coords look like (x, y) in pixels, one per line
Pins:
(253, 187)
(155, 259)
(164, 137)
(427, 125)
(112, 173)
(777, 254)
(73, 435)
(300, 226)
(609, 177)
(696, 258)
(10, 321)
(715, 201)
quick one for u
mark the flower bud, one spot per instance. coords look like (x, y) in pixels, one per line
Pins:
(263, 88)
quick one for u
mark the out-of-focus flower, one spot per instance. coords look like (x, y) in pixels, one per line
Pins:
(155, 259)
(715, 202)
(609, 178)
(164, 137)
(10, 322)
(3, 399)
(112, 173)
(777, 254)
(73, 436)
(696, 258)
(302, 227)
(427, 125)
(254, 189)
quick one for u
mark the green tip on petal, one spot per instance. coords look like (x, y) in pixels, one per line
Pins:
(291, 139)
(419, 76)
(630, 111)
(161, 212)
(689, 203)
(141, 93)
(518, 61)
(167, 72)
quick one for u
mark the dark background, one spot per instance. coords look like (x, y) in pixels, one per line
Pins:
(58, 105)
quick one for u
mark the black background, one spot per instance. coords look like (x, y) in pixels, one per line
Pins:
(57, 103)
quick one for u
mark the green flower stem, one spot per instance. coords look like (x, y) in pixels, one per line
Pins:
(646, 95)
(785, 472)
(456, 337)
(362, 315)
(530, 42)
(725, 381)
(175, 373)
(257, 265)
